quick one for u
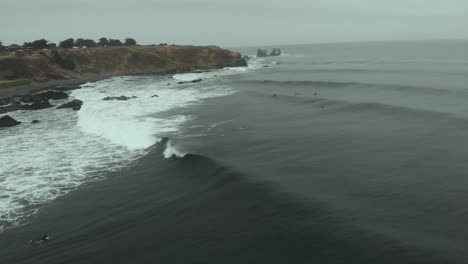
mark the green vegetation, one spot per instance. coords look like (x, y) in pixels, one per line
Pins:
(40, 44)
(130, 42)
(103, 42)
(68, 43)
(85, 43)
(27, 45)
(35, 45)
(115, 42)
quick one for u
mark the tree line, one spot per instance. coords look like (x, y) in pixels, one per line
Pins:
(70, 43)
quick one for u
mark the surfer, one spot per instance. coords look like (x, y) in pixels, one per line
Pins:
(43, 240)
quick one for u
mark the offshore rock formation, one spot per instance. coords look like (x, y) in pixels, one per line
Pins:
(87, 63)
(275, 52)
(264, 53)
(240, 63)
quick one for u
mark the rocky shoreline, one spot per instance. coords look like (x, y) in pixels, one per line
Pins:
(36, 97)
(53, 81)
(37, 101)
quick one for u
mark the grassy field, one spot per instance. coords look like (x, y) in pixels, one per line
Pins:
(6, 84)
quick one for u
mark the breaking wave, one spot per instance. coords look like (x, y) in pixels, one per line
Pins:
(44, 161)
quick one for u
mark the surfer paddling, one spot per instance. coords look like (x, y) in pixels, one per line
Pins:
(43, 240)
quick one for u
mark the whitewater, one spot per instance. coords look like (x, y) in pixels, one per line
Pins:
(41, 162)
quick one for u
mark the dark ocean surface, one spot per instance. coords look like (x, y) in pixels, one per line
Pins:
(334, 153)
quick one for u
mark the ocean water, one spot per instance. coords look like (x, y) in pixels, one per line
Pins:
(330, 153)
(41, 162)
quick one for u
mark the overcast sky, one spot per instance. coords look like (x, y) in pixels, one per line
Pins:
(234, 22)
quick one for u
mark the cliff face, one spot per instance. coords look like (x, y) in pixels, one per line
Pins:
(83, 63)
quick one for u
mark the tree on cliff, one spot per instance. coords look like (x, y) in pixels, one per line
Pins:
(51, 45)
(90, 43)
(27, 45)
(68, 43)
(85, 43)
(40, 44)
(130, 42)
(115, 42)
(103, 42)
(79, 42)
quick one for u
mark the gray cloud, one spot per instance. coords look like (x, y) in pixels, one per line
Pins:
(234, 23)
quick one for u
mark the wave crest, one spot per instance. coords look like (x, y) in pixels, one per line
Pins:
(171, 151)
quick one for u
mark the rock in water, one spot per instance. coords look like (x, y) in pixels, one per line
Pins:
(262, 53)
(194, 81)
(45, 96)
(118, 98)
(35, 121)
(8, 121)
(275, 52)
(75, 105)
(55, 95)
(240, 63)
(67, 87)
(38, 105)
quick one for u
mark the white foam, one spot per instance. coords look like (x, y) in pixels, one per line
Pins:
(188, 77)
(132, 123)
(40, 162)
(293, 55)
(172, 151)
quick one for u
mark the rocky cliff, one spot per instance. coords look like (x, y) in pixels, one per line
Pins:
(83, 63)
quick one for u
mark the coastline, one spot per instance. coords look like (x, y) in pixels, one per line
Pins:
(257, 179)
(48, 70)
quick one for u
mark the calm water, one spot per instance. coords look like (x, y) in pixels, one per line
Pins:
(334, 153)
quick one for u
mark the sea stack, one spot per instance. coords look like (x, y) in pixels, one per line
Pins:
(275, 52)
(262, 53)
